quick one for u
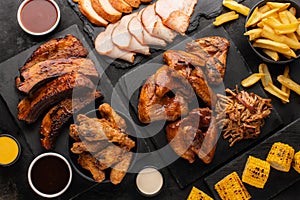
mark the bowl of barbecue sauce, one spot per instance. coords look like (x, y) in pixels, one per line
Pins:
(38, 17)
(49, 175)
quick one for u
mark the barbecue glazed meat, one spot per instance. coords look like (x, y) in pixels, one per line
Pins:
(85, 146)
(111, 155)
(108, 113)
(194, 135)
(214, 51)
(93, 129)
(49, 69)
(55, 119)
(66, 47)
(178, 58)
(89, 162)
(31, 107)
(119, 170)
(156, 101)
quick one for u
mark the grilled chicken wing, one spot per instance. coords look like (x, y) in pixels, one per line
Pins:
(109, 114)
(89, 162)
(119, 170)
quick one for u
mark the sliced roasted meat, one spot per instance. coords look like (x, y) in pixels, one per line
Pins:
(106, 10)
(49, 69)
(108, 113)
(90, 163)
(136, 29)
(85, 7)
(122, 38)
(93, 129)
(145, 1)
(134, 3)
(121, 6)
(153, 24)
(214, 51)
(196, 134)
(104, 45)
(57, 116)
(118, 172)
(178, 58)
(69, 46)
(176, 13)
(31, 107)
(164, 97)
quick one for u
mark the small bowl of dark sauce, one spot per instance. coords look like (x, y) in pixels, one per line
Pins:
(38, 17)
(49, 175)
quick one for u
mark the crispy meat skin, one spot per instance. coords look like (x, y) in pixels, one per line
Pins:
(66, 47)
(93, 129)
(30, 108)
(196, 134)
(45, 70)
(119, 170)
(213, 50)
(85, 146)
(178, 58)
(90, 163)
(155, 104)
(57, 116)
(109, 114)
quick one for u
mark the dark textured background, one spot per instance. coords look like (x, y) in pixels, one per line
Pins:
(13, 182)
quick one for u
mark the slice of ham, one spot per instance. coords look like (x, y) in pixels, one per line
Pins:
(176, 13)
(104, 45)
(85, 6)
(106, 10)
(153, 24)
(137, 30)
(122, 38)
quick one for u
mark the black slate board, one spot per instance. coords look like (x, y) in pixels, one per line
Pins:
(236, 71)
(278, 181)
(203, 8)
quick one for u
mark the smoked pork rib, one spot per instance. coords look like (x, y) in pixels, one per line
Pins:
(55, 119)
(49, 69)
(214, 51)
(31, 107)
(68, 46)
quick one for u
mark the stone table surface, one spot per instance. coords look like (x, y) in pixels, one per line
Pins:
(13, 181)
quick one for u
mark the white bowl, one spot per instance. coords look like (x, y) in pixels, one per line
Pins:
(29, 175)
(19, 16)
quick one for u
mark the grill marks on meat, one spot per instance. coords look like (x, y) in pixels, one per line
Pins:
(49, 69)
(102, 143)
(60, 114)
(195, 135)
(31, 107)
(155, 103)
(66, 47)
(213, 50)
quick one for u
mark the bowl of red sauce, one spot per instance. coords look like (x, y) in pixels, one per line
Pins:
(38, 17)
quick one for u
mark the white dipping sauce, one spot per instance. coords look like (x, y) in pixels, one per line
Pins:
(149, 181)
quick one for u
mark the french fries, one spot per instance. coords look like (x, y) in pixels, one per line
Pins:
(233, 5)
(226, 17)
(284, 88)
(274, 28)
(252, 79)
(289, 83)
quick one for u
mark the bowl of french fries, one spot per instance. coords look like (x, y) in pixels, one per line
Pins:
(273, 30)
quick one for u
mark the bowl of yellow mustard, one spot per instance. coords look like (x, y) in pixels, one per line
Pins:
(10, 150)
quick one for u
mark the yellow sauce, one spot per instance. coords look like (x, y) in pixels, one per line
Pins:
(8, 150)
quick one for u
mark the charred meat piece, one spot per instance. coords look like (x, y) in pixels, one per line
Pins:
(49, 69)
(196, 134)
(85, 146)
(90, 163)
(55, 119)
(109, 114)
(152, 107)
(66, 47)
(214, 51)
(118, 172)
(178, 58)
(93, 129)
(31, 107)
(73, 132)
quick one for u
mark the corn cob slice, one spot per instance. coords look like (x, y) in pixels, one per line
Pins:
(281, 156)
(232, 188)
(197, 194)
(296, 162)
(256, 172)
